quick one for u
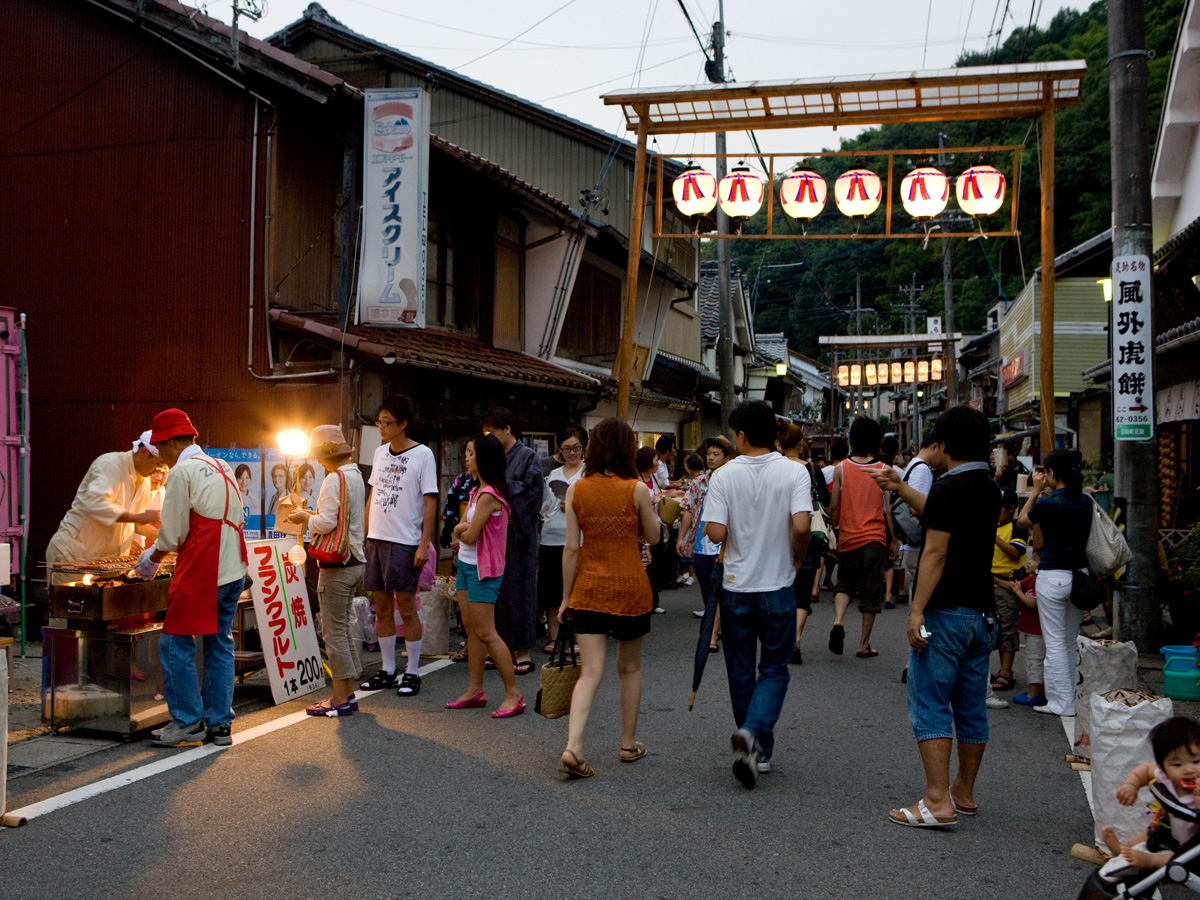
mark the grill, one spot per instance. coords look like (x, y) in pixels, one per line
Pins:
(107, 592)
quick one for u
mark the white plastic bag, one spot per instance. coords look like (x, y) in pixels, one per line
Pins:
(1103, 666)
(1121, 723)
(362, 623)
(435, 624)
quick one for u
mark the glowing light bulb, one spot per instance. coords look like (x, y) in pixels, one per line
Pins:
(297, 554)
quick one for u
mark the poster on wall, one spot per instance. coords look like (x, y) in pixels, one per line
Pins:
(1133, 349)
(391, 280)
(285, 621)
(247, 471)
(280, 480)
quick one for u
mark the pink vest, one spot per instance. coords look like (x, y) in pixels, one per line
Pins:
(493, 538)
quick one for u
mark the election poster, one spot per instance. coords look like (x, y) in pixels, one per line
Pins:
(285, 621)
(247, 471)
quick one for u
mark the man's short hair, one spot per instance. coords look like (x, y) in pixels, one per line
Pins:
(756, 420)
(497, 418)
(891, 445)
(1008, 498)
(838, 451)
(931, 439)
(965, 432)
(865, 435)
(665, 444)
(400, 407)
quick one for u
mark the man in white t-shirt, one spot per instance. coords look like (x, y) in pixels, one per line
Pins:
(758, 507)
(401, 512)
(919, 475)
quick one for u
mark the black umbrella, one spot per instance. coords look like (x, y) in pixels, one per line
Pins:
(706, 631)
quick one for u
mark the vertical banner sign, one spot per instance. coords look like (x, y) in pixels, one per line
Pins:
(1133, 349)
(285, 621)
(391, 277)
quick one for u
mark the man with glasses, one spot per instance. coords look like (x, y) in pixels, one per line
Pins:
(401, 514)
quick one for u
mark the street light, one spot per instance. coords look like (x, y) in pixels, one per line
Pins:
(781, 369)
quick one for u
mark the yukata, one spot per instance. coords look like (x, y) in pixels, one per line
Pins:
(516, 610)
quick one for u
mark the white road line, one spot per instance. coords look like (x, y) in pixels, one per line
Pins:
(78, 795)
(1068, 724)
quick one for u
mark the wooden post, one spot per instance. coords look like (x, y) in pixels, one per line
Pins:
(1046, 345)
(625, 351)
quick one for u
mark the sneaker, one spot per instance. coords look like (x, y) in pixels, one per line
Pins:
(1026, 700)
(380, 680)
(763, 766)
(221, 735)
(745, 757)
(173, 736)
(1046, 709)
(410, 685)
(682, 579)
(658, 611)
(689, 581)
(996, 703)
(698, 613)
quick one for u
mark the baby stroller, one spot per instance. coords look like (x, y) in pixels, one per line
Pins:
(1118, 879)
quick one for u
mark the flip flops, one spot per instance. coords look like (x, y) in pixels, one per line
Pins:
(837, 639)
(867, 654)
(927, 819)
(638, 750)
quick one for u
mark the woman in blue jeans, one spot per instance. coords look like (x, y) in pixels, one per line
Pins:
(716, 452)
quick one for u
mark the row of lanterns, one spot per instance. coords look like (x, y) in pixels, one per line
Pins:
(857, 193)
(921, 370)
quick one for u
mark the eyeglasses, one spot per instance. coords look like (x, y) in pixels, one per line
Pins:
(385, 423)
(568, 449)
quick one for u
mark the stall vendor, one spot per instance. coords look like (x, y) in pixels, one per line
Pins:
(111, 503)
(202, 521)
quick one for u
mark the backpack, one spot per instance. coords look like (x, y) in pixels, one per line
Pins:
(908, 526)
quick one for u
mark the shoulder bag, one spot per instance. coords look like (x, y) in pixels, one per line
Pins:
(908, 526)
(1086, 592)
(819, 528)
(334, 546)
(1107, 549)
(558, 678)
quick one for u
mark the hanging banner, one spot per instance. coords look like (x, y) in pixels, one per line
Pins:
(285, 621)
(391, 278)
(1133, 349)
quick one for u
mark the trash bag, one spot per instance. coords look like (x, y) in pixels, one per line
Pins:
(428, 573)
(362, 622)
(1103, 666)
(435, 621)
(1120, 730)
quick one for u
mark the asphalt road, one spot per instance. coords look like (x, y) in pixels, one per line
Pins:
(407, 799)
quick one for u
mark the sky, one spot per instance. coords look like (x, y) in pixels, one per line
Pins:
(563, 54)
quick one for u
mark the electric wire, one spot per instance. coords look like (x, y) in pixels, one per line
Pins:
(692, 25)
(522, 34)
(928, 19)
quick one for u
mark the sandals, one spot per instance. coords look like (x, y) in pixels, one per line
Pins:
(379, 681)
(869, 653)
(460, 656)
(410, 685)
(1003, 682)
(525, 667)
(638, 750)
(927, 819)
(578, 769)
(963, 810)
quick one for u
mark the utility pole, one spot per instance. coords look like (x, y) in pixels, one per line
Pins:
(911, 313)
(1137, 611)
(858, 399)
(725, 339)
(948, 291)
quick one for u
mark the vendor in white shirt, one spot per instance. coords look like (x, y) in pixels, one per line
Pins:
(113, 501)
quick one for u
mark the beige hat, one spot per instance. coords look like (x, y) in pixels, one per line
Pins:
(327, 440)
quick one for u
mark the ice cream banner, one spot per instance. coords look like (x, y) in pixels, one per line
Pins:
(391, 280)
(285, 621)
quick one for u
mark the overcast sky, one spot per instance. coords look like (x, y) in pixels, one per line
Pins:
(585, 48)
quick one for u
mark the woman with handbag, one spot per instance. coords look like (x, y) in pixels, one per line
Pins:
(1057, 503)
(790, 441)
(605, 589)
(336, 526)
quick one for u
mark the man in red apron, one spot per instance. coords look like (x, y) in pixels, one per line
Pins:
(202, 521)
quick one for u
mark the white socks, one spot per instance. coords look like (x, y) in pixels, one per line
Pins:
(414, 656)
(387, 647)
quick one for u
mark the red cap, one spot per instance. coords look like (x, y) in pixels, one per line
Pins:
(170, 423)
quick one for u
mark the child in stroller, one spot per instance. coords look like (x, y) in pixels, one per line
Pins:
(1170, 847)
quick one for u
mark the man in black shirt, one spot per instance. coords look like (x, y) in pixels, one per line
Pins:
(951, 625)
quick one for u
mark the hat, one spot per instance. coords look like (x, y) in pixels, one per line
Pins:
(327, 440)
(170, 423)
(143, 443)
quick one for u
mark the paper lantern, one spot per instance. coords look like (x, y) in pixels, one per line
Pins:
(935, 370)
(897, 373)
(910, 372)
(802, 194)
(924, 192)
(870, 373)
(844, 376)
(980, 190)
(741, 193)
(857, 192)
(856, 375)
(883, 373)
(695, 192)
(923, 370)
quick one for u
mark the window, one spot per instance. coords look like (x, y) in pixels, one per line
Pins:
(592, 329)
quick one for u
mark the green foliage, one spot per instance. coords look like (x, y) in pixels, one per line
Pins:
(818, 297)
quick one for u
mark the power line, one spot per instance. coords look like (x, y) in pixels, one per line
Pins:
(692, 25)
(928, 19)
(522, 34)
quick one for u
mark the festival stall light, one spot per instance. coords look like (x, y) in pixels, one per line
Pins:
(741, 192)
(923, 370)
(980, 190)
(897, 373)
(910, 372)
(695, 192)
(935, 370)
(856, 375)
(802, 194)
(844, 376)
(857, 192)
(924, 192)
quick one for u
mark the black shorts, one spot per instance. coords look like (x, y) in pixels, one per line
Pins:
(860, 574)
(623, 628)
(802, 588)
(549, 582)
(390, 567)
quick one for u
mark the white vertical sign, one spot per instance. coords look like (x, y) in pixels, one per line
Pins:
(1133, 349)
(933, 325)
(395, 220)
(285, 621)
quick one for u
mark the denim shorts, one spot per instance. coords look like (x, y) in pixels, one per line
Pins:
(947, 681)
(479, 590)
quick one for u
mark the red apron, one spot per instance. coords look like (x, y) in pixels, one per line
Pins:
(192, 597)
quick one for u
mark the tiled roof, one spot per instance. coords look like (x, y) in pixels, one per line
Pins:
(435, 350)
(704, 375)
(771, 347)
(710, 298)
(487, 167)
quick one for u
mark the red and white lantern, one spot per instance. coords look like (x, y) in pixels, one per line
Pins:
(857, 192)
(924, 192)
(741, 193)
(980, 190)
(695, 192)
(802, 194)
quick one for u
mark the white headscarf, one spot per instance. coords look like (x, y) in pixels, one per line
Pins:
(143, 441)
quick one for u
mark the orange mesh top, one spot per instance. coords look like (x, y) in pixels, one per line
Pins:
(609, 577)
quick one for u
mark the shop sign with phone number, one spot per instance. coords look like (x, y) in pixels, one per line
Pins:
(1133, 349)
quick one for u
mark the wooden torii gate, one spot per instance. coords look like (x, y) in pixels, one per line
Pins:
(1029, 90)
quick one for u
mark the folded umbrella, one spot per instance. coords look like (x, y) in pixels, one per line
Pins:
(707, 624)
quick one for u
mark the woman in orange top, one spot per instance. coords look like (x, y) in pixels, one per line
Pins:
(605, 589)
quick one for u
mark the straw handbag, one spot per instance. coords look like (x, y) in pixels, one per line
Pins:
(559, 676)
